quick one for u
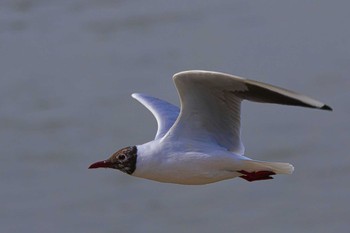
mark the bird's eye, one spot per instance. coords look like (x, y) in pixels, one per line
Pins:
(121, 157)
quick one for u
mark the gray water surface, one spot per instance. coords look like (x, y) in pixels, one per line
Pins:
(68, 69)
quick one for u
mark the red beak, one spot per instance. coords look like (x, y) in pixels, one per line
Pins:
(103, 163)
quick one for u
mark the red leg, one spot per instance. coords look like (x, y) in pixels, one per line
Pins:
(260, 175)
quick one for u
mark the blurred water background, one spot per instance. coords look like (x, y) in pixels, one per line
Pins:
(68, 67)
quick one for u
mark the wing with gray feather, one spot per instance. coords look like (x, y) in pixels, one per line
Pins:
(211, 101)
(164, 112)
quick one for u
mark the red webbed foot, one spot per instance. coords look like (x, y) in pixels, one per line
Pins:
(259, 175)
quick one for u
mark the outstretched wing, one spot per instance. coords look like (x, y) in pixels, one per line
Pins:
(164, 112)
(210, 106)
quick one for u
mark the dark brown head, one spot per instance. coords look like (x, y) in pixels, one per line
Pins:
(123, 160)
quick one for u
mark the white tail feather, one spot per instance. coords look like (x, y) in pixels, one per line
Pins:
(278, 168)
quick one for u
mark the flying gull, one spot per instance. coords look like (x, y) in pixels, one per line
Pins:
(201, 142)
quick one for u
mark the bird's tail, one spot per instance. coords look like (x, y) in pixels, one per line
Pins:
(260, 170)
(278, 168)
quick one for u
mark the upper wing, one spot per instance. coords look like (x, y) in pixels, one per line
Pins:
(210, 106)
(164, 112)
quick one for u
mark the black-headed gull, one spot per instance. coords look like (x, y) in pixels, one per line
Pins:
(201, 143)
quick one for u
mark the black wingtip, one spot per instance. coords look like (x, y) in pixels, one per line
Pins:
(326, 107)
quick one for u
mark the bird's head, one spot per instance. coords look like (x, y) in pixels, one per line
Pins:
(123, 160)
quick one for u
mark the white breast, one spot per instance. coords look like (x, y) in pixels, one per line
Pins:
(173, 163)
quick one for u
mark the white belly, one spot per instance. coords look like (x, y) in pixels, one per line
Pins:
(190, 168)
(189, 178)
